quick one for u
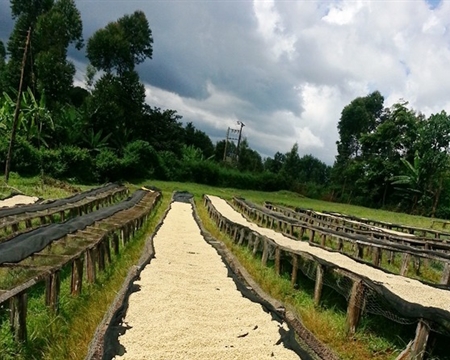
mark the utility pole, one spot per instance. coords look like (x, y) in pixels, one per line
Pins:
(226, 145)
(239, 139)
(16, 112)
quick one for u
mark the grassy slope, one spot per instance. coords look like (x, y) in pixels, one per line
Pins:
(67, 336)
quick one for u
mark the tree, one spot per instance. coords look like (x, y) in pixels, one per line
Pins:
(275, 165)
(411, 179)
(55, 30)
(162, 129)
(199, 140)
(358, 118)
(121, 45)
(434, 144)
(249, 159)
(291, 165)
(313, 170)
(118, 98)
(383, 149)
(2, 66)
(54, 26)
(116, 108)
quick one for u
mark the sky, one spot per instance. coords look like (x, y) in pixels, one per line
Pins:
(286, 69)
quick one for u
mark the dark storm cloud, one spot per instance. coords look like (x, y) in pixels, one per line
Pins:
(284, 68)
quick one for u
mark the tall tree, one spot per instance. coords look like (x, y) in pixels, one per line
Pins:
(121, 45)
(291, 165)
(275, 165)
(2, 66)
(55, 31)
(199, 140)
(118, 98)
(360, 117)
(249, 159)
(54, 26)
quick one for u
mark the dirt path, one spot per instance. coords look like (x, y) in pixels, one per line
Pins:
(411, 290)
(188, 308)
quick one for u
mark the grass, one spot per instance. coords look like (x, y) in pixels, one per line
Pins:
(67, 335)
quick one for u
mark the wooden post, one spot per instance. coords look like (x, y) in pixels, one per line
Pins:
(376, 256)
(107, 245)
(241, 236)
(277, 260)
(302, 232)
(359, 251)
(445, 278)
(52, 290)
(311, 236)
(256, 244)
(419, 345)
(250, 240)
(319, 284)
(101, 256)
(355, 306)
(323, 239)
(115, 240)
(405, 264)
(294, 270)
(265, 253)
(90, 265)
(77, 277)
(18, 316)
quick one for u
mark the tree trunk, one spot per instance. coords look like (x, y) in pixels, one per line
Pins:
(436, 199)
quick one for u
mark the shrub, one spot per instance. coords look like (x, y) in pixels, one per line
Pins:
(108, 167)
(140, 160)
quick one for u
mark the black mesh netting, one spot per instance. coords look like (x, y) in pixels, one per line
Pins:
(24, 245)
(51, 204)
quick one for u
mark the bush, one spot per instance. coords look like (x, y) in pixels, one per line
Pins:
(141, 161)
(108, 167)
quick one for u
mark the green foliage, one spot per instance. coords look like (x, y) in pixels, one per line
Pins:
(108, 166)
(198, 139)
(121, 45)
(55, 25)
(141, 161)
(25, 158)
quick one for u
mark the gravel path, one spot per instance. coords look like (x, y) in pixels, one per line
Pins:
(188, 308)
(410, 290)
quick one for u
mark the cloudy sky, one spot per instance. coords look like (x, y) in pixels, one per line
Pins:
(284, 68)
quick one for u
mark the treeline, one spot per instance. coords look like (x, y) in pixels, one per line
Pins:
(107, 131)
(393, 158)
